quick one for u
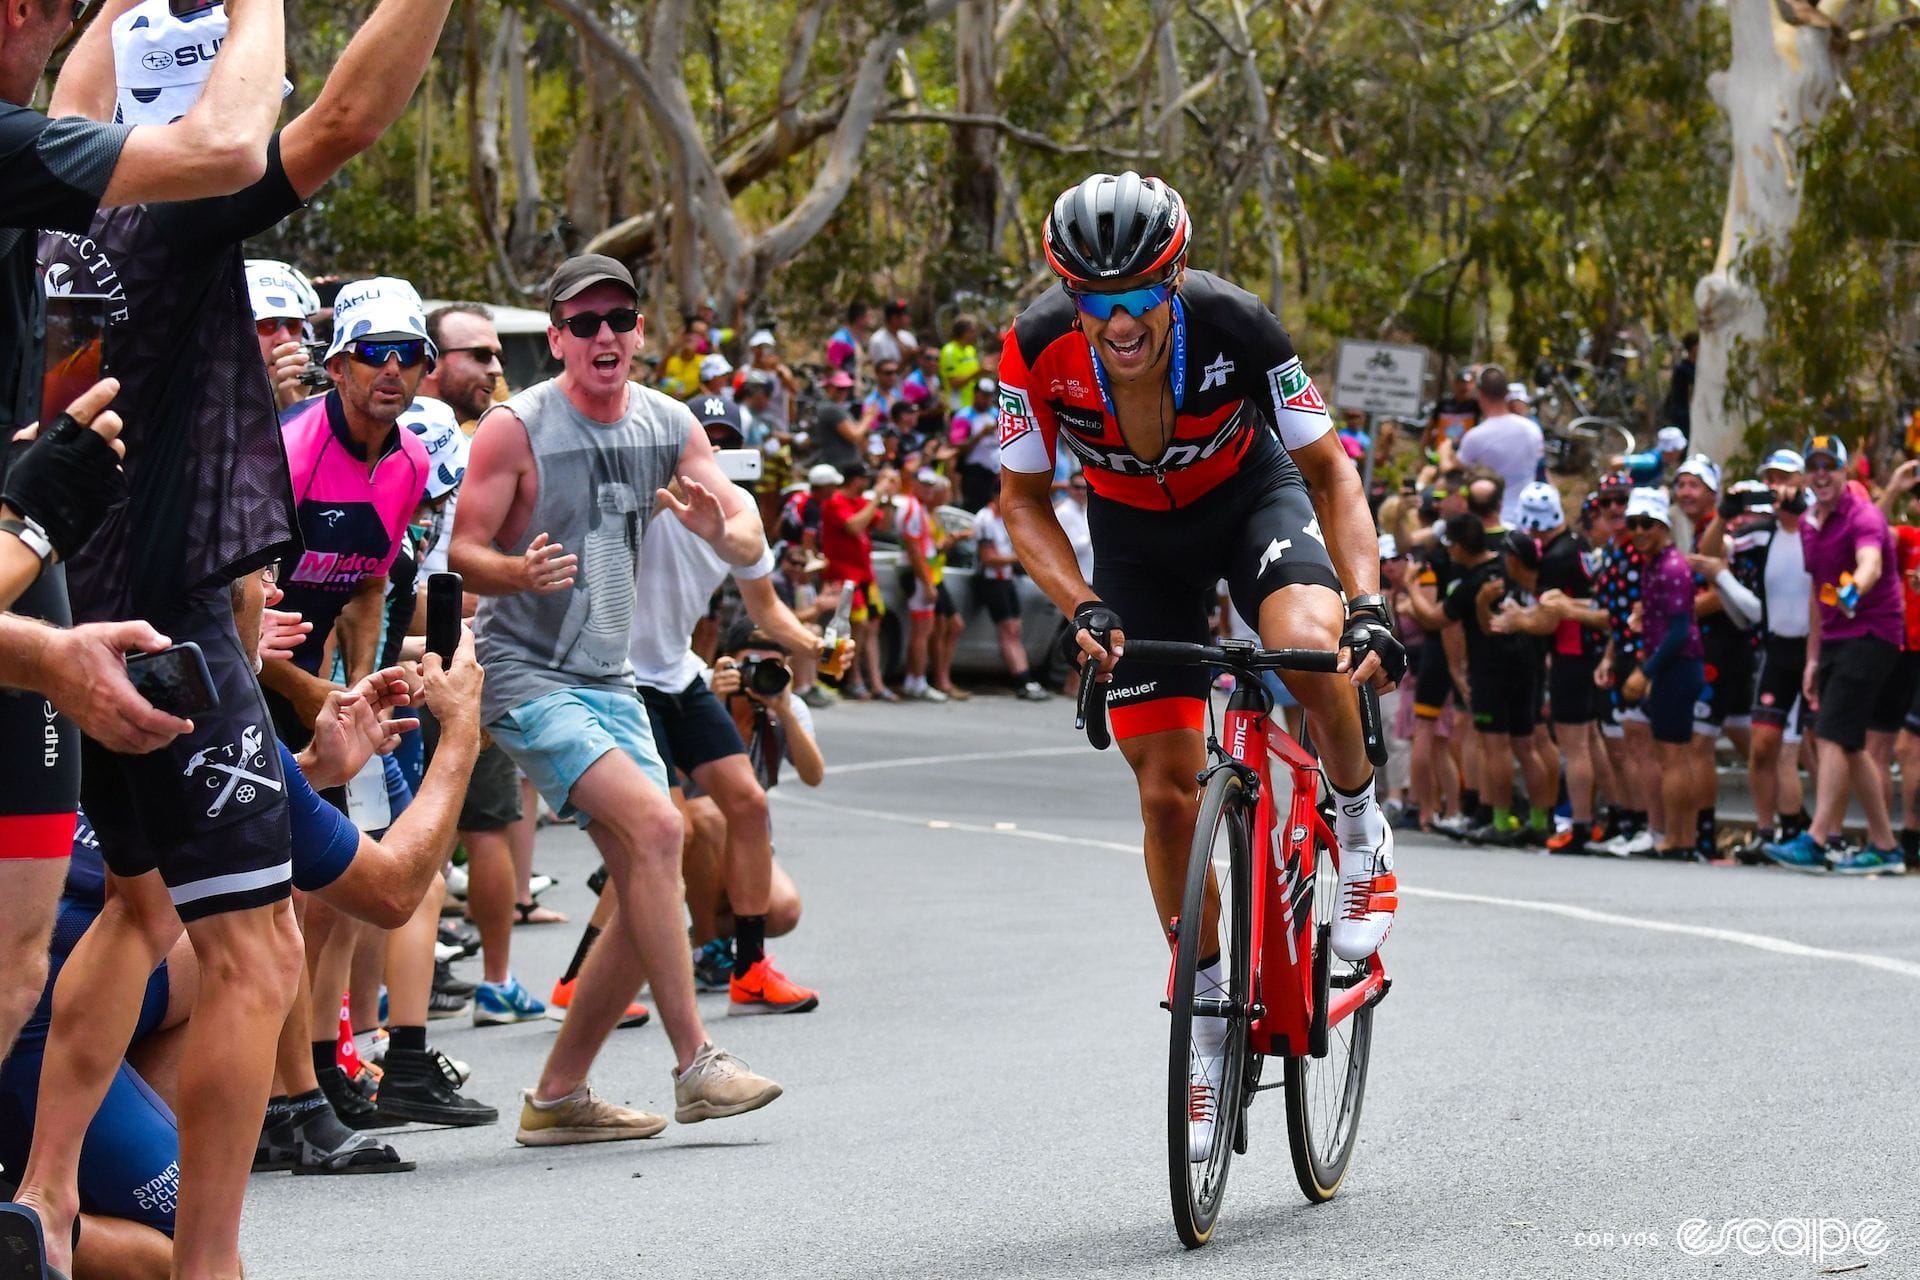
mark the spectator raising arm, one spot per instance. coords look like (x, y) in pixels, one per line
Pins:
(220, 145)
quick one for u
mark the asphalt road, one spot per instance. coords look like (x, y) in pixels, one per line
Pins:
(1571, 1047)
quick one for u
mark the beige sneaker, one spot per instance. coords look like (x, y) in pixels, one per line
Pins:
(581, 1117)
(718, 1084)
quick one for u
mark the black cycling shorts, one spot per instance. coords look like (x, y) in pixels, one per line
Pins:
(1159, 570)
(1727, 689)
(1851, 676)
(1570, 688)
(39, 750)
(1001, 599)
(1505, 701)
(1672, 698)
(1783, 664)
(1432, 681)
(209, 811)
(1896, 697)
(691, 728)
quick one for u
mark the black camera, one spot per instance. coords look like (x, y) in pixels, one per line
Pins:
(315, 375)
(767, 677)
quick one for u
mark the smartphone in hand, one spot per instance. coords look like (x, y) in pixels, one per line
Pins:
(175, 680)
(444, 593)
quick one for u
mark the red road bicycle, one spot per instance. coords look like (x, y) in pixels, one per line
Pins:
(1261, 892)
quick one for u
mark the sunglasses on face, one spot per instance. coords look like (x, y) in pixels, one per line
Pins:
(481, 355)
(1616, 500)
(1640, 524)
(1818, 465)
(408, 351)
(274, 325)
(1135, 302)
(587, 323)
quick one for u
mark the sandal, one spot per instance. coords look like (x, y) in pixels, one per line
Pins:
(22, 1244)
(286, 1143)
(534, 913)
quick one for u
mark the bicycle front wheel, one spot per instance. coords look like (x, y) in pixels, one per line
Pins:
(1324, 1094)
(1208, 1057)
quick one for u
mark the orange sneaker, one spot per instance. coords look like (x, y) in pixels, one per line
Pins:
(637, 1014)
(1572, 840)
(764, 989)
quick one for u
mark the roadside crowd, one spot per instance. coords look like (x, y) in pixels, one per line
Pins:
(1580, 653)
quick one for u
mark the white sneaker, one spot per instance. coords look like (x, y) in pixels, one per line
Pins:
(1203, 1106)
(457, 882)
(1367, 900)
(1641, 841)
(1614, 846)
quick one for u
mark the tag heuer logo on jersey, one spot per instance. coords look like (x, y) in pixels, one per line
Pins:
(1293, 389)
(1016, 415)
(1216, 372)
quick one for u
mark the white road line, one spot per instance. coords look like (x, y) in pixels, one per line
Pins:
(1734, 937)
(914, 762)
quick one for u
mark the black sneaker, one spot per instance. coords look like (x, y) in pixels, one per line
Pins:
(713, 967)
(352, 1107)
(444, 1005)
(447, 985)
(305, 1137)
(1496, 835)
(458, 933)
(415, 1088)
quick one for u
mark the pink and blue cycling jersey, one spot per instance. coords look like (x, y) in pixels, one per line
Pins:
(352, 516)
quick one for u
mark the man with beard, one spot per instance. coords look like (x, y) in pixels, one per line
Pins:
(469, 368)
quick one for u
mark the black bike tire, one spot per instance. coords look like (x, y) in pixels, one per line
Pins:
(1320, 1177)
(1196, 1208)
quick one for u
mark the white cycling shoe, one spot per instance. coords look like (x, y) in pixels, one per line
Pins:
(1368, 898)
(1203, 1105)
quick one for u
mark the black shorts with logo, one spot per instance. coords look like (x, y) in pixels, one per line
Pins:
(1783, 665)
(1159, 570)
(1505, 700)
(209, 811)
(1727, 693)
(39, 750)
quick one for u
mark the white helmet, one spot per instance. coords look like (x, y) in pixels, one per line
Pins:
(278, 290)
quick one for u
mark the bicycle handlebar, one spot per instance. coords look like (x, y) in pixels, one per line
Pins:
(1241, 657)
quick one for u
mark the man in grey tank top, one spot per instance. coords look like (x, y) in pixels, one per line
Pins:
(559, 487)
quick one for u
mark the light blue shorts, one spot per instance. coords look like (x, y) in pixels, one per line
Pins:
(556, 738)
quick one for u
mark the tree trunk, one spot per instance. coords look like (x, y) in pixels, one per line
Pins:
(523, 226)
(976, 184)
(1779, 81)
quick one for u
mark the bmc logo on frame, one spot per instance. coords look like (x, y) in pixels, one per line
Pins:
(1821, 1239)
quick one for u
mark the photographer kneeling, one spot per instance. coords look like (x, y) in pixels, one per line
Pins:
(752, 678)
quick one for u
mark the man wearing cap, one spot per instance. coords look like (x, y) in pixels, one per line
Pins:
(1505, 442)
(715, 371)
(975, 433)
(1566, 619)
(1726, 698)
(1618, 590)
(209, 503)
(926, 545)
(1669, 679)
(559, 489)
(893, 340)
(763, 356)
(1454, 414)
(1778, 705)
(1653, 466)
(837, 435)
(847, 518)
(282, 300)
(1853, 645)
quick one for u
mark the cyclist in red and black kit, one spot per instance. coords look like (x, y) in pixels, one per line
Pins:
(1210, 455)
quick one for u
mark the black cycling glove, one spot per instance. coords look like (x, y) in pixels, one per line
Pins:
(1367, 632)
(1092, 616)
(64, 481)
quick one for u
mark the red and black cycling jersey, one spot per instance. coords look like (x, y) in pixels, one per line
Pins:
(1239, 395)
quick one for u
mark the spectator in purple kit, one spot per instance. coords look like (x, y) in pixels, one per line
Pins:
(1853, 643)
(1670, 678)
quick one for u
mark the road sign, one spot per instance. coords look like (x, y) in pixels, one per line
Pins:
(1381, 378)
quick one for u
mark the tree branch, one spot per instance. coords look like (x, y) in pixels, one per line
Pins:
(1038, 141)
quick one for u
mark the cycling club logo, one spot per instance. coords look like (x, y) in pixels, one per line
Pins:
(235, 781)
(1016, 414)
(1293, 389)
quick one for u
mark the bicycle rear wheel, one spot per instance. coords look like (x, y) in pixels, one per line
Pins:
(1324, 1094)
(1220, 859)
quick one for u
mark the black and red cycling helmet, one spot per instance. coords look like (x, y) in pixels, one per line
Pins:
(1116, 226)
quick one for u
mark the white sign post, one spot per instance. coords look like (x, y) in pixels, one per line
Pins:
(1380, 378)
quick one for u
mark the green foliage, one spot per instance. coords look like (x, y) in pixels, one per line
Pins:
(1839, 350)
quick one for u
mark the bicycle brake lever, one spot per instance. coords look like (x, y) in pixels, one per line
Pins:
(1370, 732)
(1090, 708)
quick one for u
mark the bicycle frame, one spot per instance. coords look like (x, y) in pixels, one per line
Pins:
(1285, 987)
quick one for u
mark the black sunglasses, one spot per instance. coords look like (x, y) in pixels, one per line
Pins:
(1640, 524)
(408, 351)
(1613, 500)
(481, 355)
(587, 323)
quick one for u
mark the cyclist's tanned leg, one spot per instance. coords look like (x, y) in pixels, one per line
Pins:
(1164, 765)
(1309, 617)
(29, 890)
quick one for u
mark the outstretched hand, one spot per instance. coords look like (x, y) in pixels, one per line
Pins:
(701, 512)
(547, 566)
